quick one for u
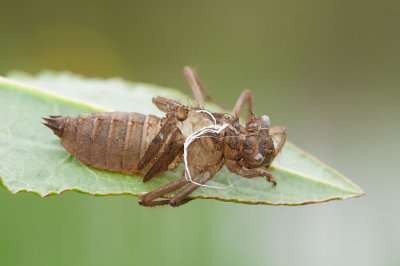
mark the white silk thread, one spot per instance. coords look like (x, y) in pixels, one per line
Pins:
(217, 129)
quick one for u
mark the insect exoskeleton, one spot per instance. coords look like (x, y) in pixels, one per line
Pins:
(112, 141)
(203, 141)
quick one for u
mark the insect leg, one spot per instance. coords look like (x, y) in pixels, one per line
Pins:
(192, 80)
(172, 149)
(158, 141)
(244, 98)
(236, 168)
(180, 197)
(189, 72)
(170, 106)
(279, 130)
(148, 199)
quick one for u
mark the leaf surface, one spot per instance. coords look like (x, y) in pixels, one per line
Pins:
(32, 159)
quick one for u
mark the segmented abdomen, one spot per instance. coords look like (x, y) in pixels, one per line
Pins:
(110, 141)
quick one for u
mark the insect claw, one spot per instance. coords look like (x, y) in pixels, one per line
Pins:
(270, 178)
(176, 203)
(173, 203)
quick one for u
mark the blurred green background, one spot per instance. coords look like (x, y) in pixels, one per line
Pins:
(328, 70)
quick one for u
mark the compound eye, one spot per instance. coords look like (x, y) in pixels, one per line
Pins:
(266, 122)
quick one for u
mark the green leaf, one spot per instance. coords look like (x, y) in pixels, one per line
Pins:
(32, 159)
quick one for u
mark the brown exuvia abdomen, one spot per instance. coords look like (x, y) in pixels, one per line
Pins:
(111, 141)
